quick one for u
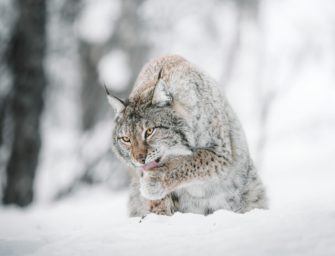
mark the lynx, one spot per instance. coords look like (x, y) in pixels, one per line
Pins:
(184, 145)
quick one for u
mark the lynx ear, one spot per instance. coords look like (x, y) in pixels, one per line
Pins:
(117, 104)
(161, 95)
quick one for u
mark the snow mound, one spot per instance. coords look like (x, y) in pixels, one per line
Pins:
(94, 222)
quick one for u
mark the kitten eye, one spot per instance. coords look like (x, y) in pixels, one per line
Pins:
(125, 139)
(149, 132)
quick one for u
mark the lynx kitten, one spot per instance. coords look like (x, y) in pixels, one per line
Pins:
(184, 144)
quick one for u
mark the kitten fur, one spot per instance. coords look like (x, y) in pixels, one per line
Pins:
(196, 160)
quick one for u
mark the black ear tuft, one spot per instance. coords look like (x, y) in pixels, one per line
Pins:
(161, 96)
(117, 104)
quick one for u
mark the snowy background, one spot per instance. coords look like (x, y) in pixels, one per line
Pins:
(275, 60)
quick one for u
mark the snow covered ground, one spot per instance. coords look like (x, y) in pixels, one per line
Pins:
(96, 225)
(300, 221)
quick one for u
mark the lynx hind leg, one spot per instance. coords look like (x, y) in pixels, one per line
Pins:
(166, 206)
(255, 195)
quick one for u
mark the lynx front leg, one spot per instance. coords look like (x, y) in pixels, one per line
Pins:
(158, 182)
(140, 206)
(151, 185)
(203, 164)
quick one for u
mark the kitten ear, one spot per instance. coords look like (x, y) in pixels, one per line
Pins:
(161, 95)
(117, 104)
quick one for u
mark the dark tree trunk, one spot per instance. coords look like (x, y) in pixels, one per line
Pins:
(3, 101)
(25, 59)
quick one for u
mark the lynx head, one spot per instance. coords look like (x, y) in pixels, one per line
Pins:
(148, 130)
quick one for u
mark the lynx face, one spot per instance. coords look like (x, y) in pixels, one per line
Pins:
(148, 129)
(145, 136)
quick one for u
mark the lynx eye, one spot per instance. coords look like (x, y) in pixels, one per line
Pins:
(125, 139)
(149, 132)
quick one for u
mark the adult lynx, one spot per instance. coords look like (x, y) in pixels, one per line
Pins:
(184, 144)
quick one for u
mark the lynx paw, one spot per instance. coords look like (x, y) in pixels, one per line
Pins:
(163, 206)
(151, 185)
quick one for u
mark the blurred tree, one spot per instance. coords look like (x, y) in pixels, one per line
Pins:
(129, 38)
(245, 10)
(7, 18)
(25, 102)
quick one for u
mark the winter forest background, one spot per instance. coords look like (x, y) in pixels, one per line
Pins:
(275, 60)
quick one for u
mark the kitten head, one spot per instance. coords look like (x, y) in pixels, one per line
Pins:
(148, 130)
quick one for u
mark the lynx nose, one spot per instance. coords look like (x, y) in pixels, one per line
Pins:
(138, 153)
(140, 158)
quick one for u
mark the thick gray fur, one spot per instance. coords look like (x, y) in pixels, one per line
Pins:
(204, 158)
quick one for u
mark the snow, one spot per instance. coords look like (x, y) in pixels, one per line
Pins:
(99, 228)
(300, 221)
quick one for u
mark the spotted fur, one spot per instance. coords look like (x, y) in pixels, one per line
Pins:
(203, 158)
